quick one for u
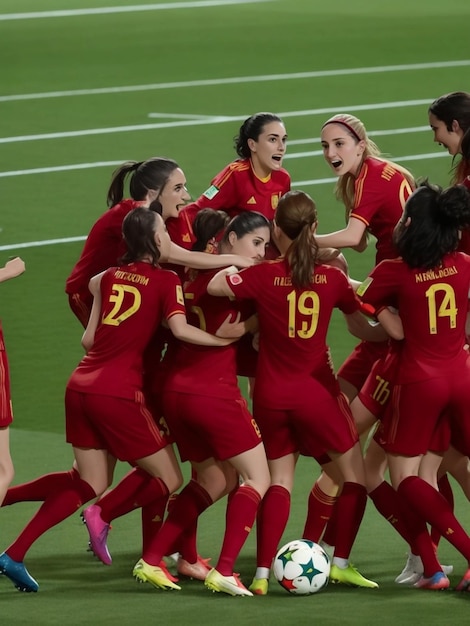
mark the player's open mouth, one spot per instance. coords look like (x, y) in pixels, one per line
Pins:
(336, 164)
(277, 158)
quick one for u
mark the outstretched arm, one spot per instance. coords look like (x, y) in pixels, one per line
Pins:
(205, 261)
(13, 268)
(350, 237)
(184, 331)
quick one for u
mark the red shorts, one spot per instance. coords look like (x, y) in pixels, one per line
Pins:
(417, 409)
(377, 389)
(124, 427)
(321, 423)
(358, 365)
(6, 412)
(205, 427)
(81, 304)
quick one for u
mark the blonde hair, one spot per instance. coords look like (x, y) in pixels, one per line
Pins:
(344, 189)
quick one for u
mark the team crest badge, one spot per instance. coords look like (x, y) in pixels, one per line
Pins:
(274, 201)
(235, 279)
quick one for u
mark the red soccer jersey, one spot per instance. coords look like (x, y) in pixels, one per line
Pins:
(433, 308)
(135, 299)
(235, 189)
(293, 325)
(379, 198)
(103, 248)
(205, 370)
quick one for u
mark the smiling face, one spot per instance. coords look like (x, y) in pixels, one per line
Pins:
(252, 245)
(449, 139)
(268, 150)
(174, 194)
(341, 150)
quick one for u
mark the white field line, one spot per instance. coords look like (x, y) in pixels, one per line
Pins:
(294, 155)
(237, 80)
(300, 183)
(197, 4)
(212, 120)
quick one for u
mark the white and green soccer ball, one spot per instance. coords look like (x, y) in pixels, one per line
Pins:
(302, 567)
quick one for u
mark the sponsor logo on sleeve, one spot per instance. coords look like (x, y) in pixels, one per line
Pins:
(364, 286)
(211, 192)
(179, 295)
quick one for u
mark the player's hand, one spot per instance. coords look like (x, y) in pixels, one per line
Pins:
(15, 267)
(231, 330)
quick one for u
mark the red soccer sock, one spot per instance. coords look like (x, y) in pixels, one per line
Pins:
(185, 509)
(241, 514)
(122, 498)
(187, 544)
(350, 511)
(56, 507)
(39, 489)
(446, 490)
(434, 509)
(329, 536)
(320, 509)
(152, 516)
(271, 521)
(389, 505)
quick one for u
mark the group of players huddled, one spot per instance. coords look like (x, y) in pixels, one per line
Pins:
(179, 300)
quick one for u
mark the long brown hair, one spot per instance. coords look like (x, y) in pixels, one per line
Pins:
(296, 216)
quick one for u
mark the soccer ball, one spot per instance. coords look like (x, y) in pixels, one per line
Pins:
(302, 567)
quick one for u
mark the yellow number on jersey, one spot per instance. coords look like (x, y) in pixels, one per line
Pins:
(308, 304)
(117, 315)
(446, 309)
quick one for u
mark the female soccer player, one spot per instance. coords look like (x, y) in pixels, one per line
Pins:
(105, 407)
(13, 268)
(253, 182)
(373, 191)
(449, 118)
(429, 286)
(158, 182)
(296, 401)
(209, 420)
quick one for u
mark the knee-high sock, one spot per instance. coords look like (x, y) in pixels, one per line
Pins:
(389, 505)
(56, 507)
(434, 509)
(152, 516)
(329, 535)
(271, 521)
(121, 499)
(350, 510)
(185, 509)
(241, 514)
(446, 490)
(39, 489)
(320, 508)
(136, 490)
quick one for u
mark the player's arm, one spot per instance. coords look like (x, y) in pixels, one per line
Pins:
(13, 268)
(88, 337)
(237, 329)
(218, 285)
(180, 328)
(353, 236)
(391, 321)
(204, 261)
(360, 327)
